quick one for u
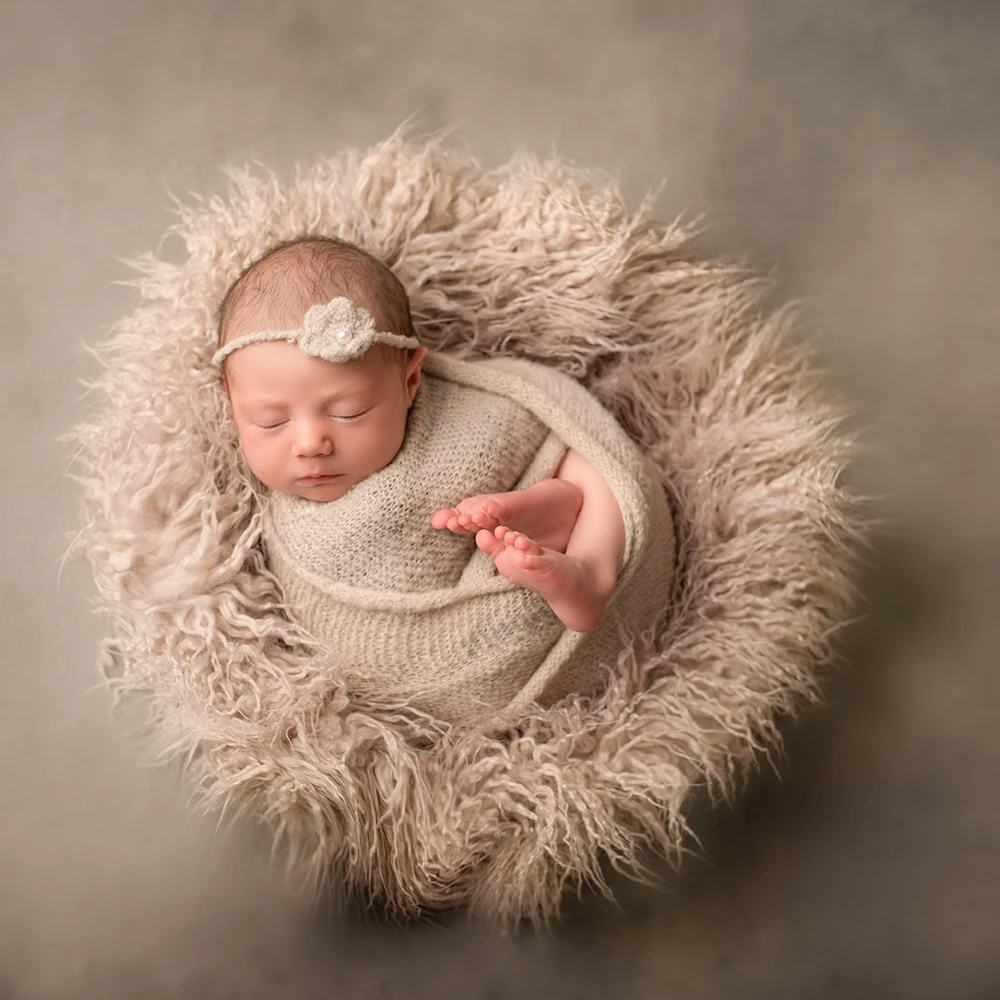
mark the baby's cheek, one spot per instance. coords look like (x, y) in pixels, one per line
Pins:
(256, 454)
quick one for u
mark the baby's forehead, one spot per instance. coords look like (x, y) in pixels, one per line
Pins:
(279, 371)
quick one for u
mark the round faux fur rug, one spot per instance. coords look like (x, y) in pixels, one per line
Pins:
(537, 260)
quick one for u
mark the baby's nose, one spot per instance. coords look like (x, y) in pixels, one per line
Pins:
(312, 440)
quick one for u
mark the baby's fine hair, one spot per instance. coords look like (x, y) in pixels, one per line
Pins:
(295, 274)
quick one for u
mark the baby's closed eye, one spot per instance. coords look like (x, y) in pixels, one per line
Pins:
(332, 416)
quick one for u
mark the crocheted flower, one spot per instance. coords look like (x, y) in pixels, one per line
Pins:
(337, 331)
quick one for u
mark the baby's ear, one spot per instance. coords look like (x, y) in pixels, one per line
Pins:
(413, 366)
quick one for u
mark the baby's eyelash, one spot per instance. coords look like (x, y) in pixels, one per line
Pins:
(345, 416)
(350, 416)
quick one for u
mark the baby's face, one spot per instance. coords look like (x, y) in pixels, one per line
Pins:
(314, 428)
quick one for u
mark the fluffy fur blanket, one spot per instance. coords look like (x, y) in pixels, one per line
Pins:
(423, 614)
(534, 260)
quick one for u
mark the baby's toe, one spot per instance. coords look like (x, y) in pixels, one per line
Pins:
(441, 518)
(486, 541)
(493, 509)
(528, 545)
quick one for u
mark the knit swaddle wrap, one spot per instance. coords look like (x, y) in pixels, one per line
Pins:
(406, 610)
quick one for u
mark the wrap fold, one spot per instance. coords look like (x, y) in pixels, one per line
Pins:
(413, 612)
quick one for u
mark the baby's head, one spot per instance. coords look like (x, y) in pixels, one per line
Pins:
(300, 416)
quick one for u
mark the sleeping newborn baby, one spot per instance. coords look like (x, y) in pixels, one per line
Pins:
(322, 370)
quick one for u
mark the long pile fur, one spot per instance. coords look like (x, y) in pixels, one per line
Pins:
(538, 260)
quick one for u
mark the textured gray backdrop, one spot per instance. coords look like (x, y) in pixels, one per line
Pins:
(849, 147)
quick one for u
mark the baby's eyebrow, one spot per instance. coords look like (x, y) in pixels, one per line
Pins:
(332, 397)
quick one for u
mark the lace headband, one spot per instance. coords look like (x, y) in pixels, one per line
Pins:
(338, 331)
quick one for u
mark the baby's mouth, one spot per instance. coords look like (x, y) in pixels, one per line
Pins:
(320, 479)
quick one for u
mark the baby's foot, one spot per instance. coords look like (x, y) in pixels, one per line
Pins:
(546, 512)
(562, 580)
(473, 514)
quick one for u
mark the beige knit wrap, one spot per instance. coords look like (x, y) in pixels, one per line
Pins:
(412, 612)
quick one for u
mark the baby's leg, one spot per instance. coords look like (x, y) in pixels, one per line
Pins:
(577, 583)
(545, 512)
